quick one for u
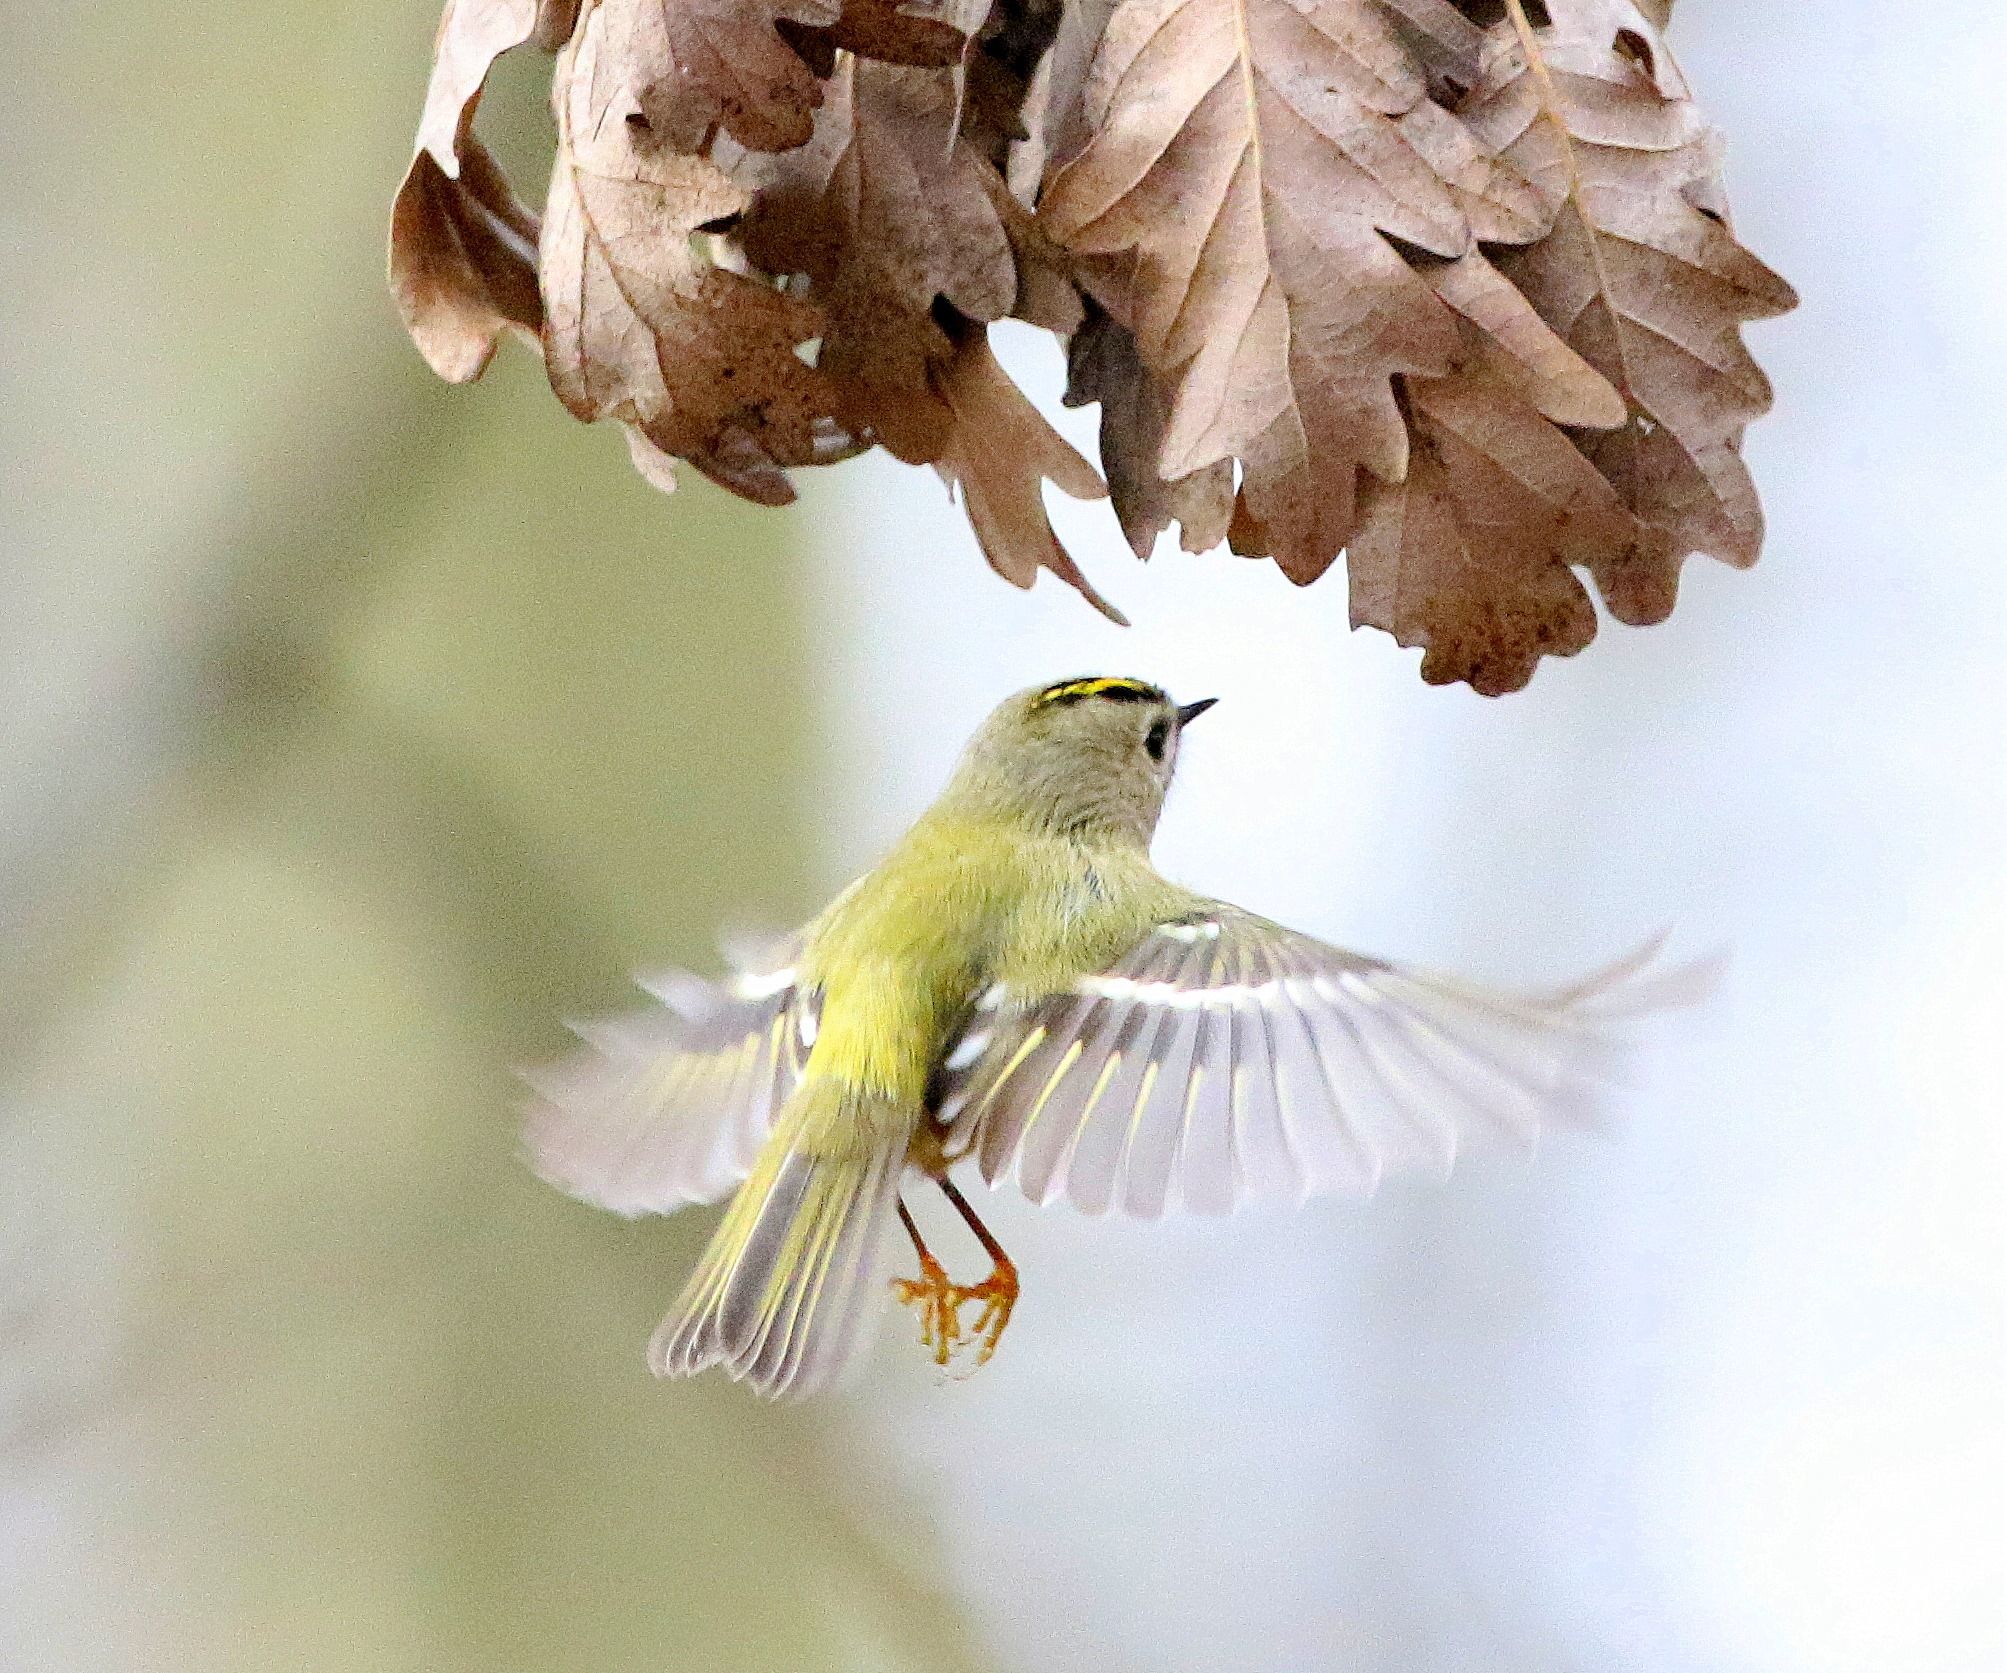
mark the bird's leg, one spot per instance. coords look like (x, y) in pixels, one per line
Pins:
(997, 1292)
(939, 1300)
(927, 1149)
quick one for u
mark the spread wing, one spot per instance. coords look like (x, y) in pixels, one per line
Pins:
(669, 1105)
(1226, 1057)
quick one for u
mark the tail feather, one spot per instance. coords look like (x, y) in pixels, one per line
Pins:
(788, 1287)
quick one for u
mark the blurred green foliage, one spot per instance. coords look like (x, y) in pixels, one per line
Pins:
(375, 726)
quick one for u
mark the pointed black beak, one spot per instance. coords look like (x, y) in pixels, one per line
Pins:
(1189, 712)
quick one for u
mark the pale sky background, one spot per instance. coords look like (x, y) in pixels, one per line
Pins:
(354, 729)
(1723, 1390)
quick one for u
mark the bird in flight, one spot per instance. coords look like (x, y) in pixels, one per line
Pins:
(1017, 987)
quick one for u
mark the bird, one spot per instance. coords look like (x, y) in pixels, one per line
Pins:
(1017, 987)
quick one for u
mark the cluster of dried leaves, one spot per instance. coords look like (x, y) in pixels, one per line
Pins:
(1445, 284)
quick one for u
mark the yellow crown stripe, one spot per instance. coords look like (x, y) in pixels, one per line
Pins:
(1098, 687)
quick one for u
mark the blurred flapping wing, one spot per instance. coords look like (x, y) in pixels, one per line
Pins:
(669, 1105)
(1226, 1058)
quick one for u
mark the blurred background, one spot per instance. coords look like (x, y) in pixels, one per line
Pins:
(356, 728)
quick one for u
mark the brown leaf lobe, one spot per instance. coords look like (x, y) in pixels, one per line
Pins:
(639, 328)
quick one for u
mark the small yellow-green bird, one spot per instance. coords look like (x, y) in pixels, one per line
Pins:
(1016, 984)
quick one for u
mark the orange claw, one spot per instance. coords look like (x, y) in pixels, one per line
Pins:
(941, 1301)
(940, 1304)
(998, 1294)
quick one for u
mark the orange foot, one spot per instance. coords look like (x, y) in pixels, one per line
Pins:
(998, 1294)
(940, 1304)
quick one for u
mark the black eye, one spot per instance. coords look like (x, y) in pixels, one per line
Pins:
(1160, 735)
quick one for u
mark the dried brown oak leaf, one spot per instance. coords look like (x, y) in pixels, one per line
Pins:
(639, 327)
(891, 32)
(901, 230)
(1048, 291)
(1640, 273)
(889, 217)
(752, 67)
(1053, 116)
(462, 246)
(463, 262)
(1449, 43)
(1252, 155)
(1102, 365)
(693, 66)
(1469, 555)
(1438, 282)
(999, 450)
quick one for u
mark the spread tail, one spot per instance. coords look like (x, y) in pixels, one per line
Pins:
(790, 1284)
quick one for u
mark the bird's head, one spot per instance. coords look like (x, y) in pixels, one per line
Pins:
(1085, 756)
